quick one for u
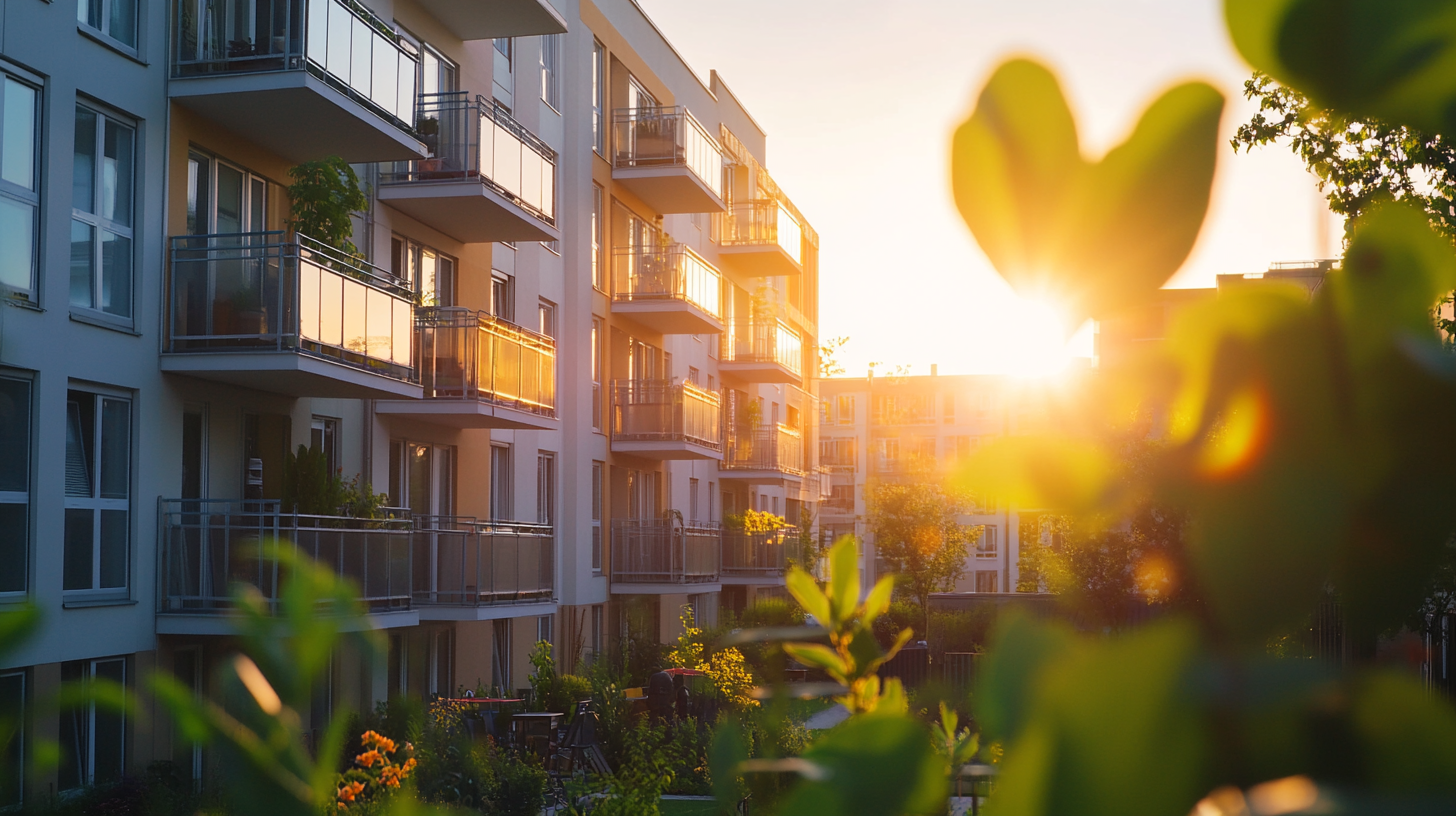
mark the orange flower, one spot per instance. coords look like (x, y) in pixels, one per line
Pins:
(368, 758)
(349, 791)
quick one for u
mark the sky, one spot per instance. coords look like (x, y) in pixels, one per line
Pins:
(860, 97)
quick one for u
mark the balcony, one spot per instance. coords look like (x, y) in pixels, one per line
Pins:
(669, 289)
(474, 570)
(488, 19)
(478, 371)
(486, 178)
(756, 558)
(210, 546)
(304, 79)
(287, 315)
(656, 419)
(764, 352)
(664, 157)
(762, 455)
(653, 555)
(761, 239)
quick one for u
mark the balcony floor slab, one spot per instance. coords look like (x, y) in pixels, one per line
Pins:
(296, 115)
(488, 19)
(674, 449)
(669, 189)
(468, 210)
(290, 373)
(225, 625)
(760, 477)
(759, 260)
(462, 413)
(665, 588)
(669, 316)
(759, 372)
(431, 612)
(753, 580)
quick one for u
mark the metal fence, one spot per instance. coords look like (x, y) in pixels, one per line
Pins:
(341, 42)
(466, 562)
(209, 546)
(263, 291)
(665, 551)
(662, 411)
(762, 222)
(470, 355)
(672, 272)
(764, 342)
(479, 139)
(663, 136)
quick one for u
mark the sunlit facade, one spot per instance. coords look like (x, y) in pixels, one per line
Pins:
(578, 331)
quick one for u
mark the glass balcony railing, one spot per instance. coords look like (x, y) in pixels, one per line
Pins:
(665, 551)
(211, 546)
(469, 355)
(667, 137)
(340, 41)
(465, 562)
(480, 140)
(763, 222)
(661, 411)
(264, 291)
(764, 342)
(778, 448)
(670, 272)
(760, 555)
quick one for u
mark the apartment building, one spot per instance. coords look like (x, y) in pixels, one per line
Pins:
(916, 428)
(577, 333)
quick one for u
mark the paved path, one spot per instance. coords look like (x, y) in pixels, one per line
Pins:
(828, 718)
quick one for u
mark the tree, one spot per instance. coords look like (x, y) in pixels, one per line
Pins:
(915, 529)
(828, 360)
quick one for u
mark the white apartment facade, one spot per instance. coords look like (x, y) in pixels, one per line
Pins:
(579, 329)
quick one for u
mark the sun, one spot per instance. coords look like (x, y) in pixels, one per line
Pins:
(1033, 340)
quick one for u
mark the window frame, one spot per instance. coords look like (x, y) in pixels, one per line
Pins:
(99, 224)
(104, 31)
(25, 497)
(598, 237)
(598, 90)
(598, 484)
(598, 329)
(549, 57)
(25, 197)
(987, 546)
(87, 773)
(18, 738)
(546, 488)
(98, 504)
(501, 493)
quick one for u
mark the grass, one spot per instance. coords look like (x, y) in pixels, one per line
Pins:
(688, 807)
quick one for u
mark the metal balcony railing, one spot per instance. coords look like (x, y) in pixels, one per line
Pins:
(664, 136)
(777, 448)
(662, 411)
(208, 546)
(665, 551)
(761, 222)
(466, 562)
(263, 291)
(469, 355)
(671, 272)
(773, 341)
(339, 41)
(760, 555)
(479, 140)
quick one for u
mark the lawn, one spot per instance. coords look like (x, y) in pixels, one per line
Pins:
(688, 807)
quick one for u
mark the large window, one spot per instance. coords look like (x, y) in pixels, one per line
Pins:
(431, 273)
(501, 507)
(114, 19)
(101, 213)
(599, 82)
(551, 70)
(15, 410)
(598, 224)
(546, 488)
(19, 185)
(98, 492)
(986, 544)
(92, 738)
(596, 373)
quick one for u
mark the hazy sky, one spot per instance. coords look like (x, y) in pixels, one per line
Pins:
(860, 98)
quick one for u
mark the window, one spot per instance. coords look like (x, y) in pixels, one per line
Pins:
(551, 70)
(598, 89)
(15, 410)
(986, 580)
(545, 488)
(598, 469)
(595, 637)
(505, 47)
(324, 436)
(692, 499)
(844, 410)
(224, 199)
(194, 451)
(19, 186)
(500, 651)
(546, 318)
(598, 223)
(502, 296)
(422, 477)
(500, 483)
(92, 738)
(694, 376)
(114, 19)
(986, 544)
(841, 496)
(101, 214)
(950, 408)
(430, 272)
(438, 74)
(596, 373)
(774, 502)
(12, 753)
(98, 491)
(543, 628)
(962, 446)
(711, 494)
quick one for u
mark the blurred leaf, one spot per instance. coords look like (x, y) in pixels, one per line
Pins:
(1095, 237)
(806, 591)
(1394, 60)
(181, 706)
(16, 625)
(799, 691)
(844, 578)
(727, 751)
(1045, 471)
(816, 656)
(879, 765)
(1020, 648)
(877, 602)
(771, 634)
(1410, 735)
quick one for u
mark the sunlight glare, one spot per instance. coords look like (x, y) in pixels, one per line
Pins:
(1034, 340)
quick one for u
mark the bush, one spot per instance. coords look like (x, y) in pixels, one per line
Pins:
(772, 612)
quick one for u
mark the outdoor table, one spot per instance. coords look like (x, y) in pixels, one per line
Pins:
(535, 731)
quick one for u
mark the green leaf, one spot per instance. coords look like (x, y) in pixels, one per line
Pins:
(817, 656)
(16, 625)
(181, 706)
(877, 602)
(879, 765)
(843, 580)
(1409, 735)
(806, 591)
(728, 749)
(1021, 647)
